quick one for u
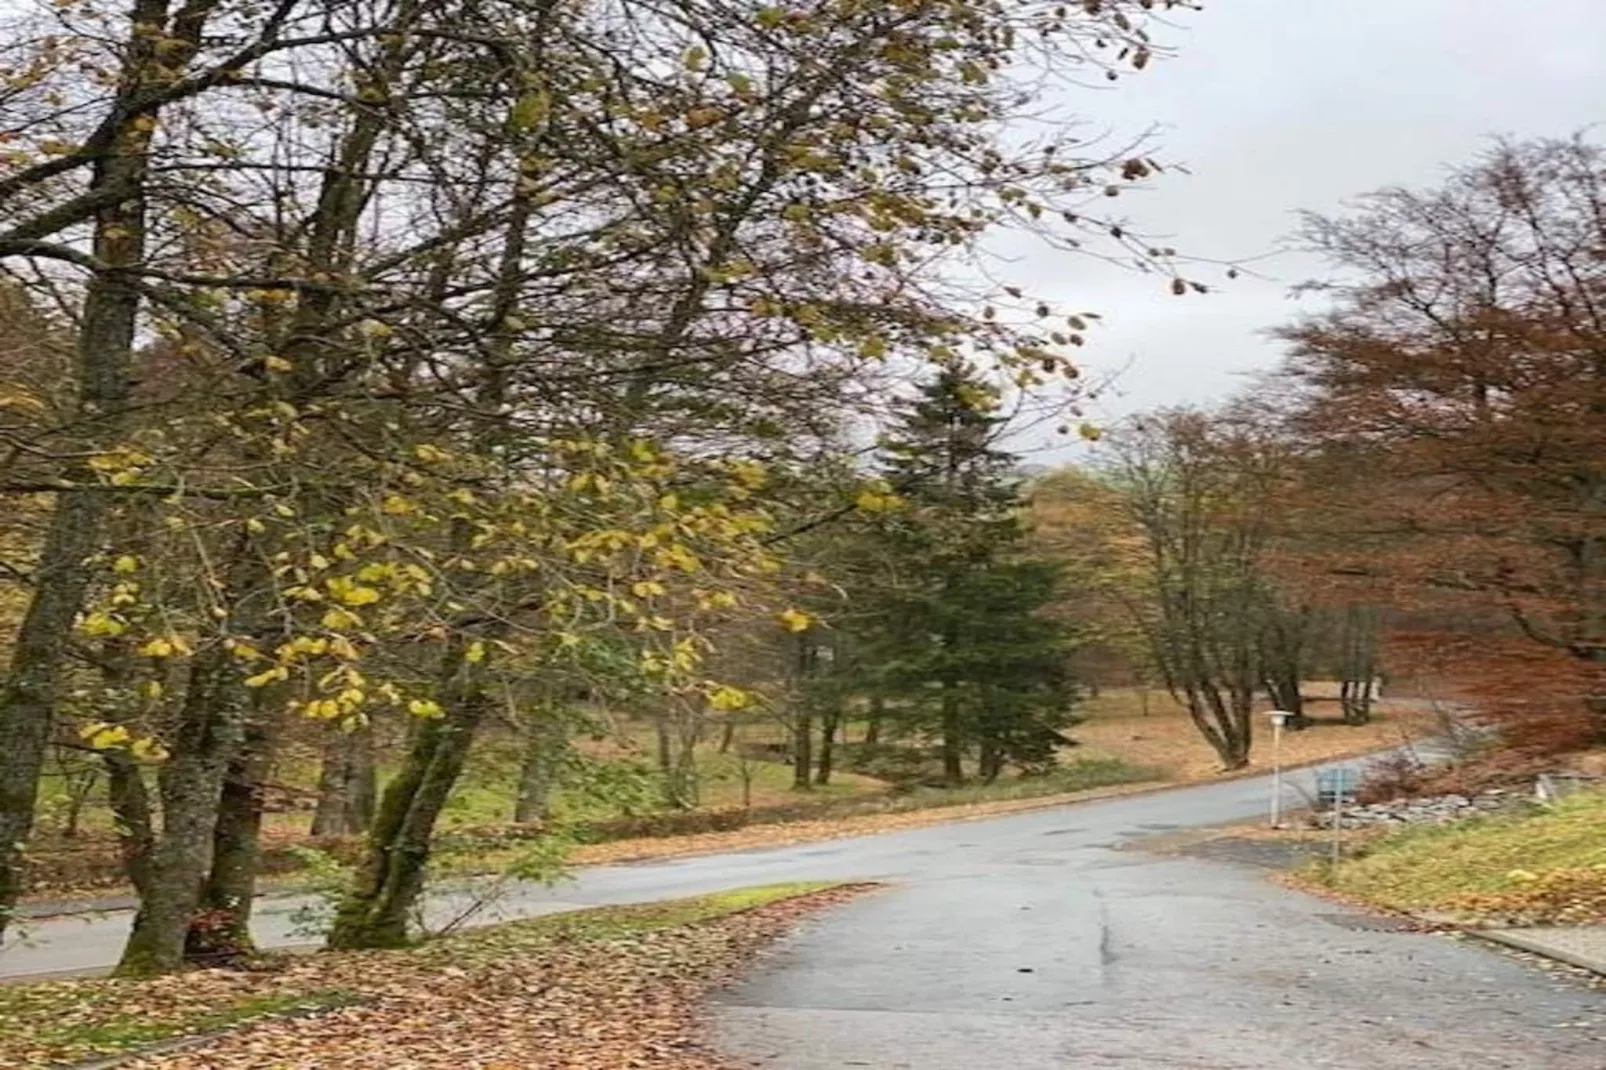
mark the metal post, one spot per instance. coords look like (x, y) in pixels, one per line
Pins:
(1278, 719)
(1338, 823)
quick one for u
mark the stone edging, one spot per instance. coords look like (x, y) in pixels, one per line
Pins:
(1514, 939)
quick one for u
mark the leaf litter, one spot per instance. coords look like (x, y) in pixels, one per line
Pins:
(608, 989)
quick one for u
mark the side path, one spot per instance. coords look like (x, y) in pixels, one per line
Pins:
(92, 942)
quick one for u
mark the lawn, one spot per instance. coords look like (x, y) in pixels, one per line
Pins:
(1540, 865)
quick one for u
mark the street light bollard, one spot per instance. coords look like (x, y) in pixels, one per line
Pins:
(1279, 719)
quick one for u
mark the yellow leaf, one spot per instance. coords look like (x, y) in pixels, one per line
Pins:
(475, 652)
(125, 564)
(149, 750)
(157, 648)
(102, 625)
(423, 707)
(336, 619)
(870, 500)
(359, 596)
(794, 620)
(727, 698)
(103, 736)
(277, 364)
(426, 452)
(267, 676)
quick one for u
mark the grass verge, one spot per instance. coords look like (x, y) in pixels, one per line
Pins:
(1532, 867)
(381, 1003)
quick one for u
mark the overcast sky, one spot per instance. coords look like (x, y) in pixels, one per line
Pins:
(1281, 105)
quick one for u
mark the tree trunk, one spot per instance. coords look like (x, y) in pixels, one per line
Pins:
(546, 744)
(374, 913)
(1359, 664)
(676, 763)
(131, 808)
(727, 736)
(803, 750)
(104, 350)
(990, 762)
(1285, 694)
(212, 728)
(803, 718)
(953, 744)
(220, 930)
(829, 720)
(872, 726)
(1227, 734)
(347, 784)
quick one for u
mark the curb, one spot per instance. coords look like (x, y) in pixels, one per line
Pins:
(1519, 942)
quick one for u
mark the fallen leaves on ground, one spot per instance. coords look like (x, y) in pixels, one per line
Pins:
(1572, 896)
(599, 990)
(1165, 738)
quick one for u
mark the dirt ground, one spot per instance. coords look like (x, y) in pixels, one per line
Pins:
(1156, 732)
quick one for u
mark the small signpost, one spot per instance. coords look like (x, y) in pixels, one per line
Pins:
(1335, 787)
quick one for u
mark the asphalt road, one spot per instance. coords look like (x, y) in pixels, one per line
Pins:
(1044, 939)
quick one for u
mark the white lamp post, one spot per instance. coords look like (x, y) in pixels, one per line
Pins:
(1279, 718)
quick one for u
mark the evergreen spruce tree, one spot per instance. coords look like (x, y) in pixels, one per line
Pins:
(969, 653)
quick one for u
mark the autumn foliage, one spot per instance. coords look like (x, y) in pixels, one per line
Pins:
(1454, 397)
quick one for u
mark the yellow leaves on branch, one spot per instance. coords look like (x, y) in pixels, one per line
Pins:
(268, 676)
(103, 735)
(101, 625)
(165, 646)
(877, 499)
(338, 619)
(120, 466)
(724, 698)
(794, 620)
(349, 592)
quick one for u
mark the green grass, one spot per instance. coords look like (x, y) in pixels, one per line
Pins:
(1081, 775)
(1421, 868)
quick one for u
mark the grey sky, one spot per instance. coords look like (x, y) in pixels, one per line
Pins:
(1278, 105)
